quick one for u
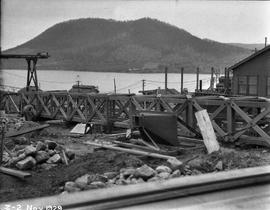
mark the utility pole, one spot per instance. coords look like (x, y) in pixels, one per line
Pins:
(212, 79)
(182, 79)
(114, 85)
(143, 84)
(197, 80)
(166, 79)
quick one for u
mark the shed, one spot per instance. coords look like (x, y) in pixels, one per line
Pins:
(251, 76)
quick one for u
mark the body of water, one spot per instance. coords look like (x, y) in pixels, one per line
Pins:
(63, 80)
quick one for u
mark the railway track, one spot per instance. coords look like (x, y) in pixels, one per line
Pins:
(149, 194)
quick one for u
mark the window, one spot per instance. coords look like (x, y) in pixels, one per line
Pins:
(268, 86)
(252, 85)
(242, 85)
(248, 85)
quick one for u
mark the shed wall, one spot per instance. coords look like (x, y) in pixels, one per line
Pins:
(258, 66)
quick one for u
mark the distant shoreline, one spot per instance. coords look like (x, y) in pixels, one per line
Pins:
(121, 72)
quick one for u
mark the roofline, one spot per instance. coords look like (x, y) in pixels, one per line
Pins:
(249, 58)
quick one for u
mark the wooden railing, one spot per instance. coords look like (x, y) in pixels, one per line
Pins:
(233, 118)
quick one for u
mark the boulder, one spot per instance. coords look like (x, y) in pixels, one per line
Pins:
(136, 181)
(27, 163)
(145, 172)
(40, 146)
(196, 163)
(71, 187)
(83, 181)
(12, 161)
(47, 166)
(127, 172)
(153, 179)
(29, 150)
(164, 175)
(54, 159)
(176, 173)
(110, 175)
(101, 178)
(51, 152)
(42, 156)
(98, 184)
(70, 154)
(19, 152)
(219, 165)
(51, 144)
(161, 169)
(196, 172)
(175, 164)
(6, 157)
(21, 140)
(18, 147)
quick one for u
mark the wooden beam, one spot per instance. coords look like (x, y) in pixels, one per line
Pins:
(13, 172)
(132, 151)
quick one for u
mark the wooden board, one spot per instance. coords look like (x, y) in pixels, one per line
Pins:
(15, 173)
(209, 136)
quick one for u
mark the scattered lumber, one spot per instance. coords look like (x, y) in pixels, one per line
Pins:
(54, 121)
(29, 130)
(133, 151)
(65, 157)
(8, 151)
(189, 139)
(209, 136)
(16, 173)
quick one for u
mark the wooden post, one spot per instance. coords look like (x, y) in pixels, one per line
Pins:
(212, 79)
(114, 85)
(166, 79)
(182, 80)
(2, 143)
(28, 74)
(226, 80)
(206, 128)
(197, 80)
(200, 85)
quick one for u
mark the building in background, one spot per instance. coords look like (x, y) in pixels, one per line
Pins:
(251, 76)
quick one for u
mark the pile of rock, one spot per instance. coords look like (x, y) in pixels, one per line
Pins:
(124, 177)
(45, 155)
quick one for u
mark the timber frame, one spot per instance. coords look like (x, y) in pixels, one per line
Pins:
(244, 119)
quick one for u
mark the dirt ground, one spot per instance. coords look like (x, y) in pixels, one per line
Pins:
(88, 160)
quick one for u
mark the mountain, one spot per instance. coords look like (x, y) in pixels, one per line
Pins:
(145, 44)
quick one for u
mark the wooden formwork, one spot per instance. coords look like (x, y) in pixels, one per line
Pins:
(233, 118)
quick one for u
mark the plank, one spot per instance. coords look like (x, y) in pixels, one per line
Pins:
(132, 151)
(16, 173)
(29, 130)
(207, 131)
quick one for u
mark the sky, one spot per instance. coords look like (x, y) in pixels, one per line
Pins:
(223, 21)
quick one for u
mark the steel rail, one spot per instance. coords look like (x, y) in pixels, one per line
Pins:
(132, 195)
